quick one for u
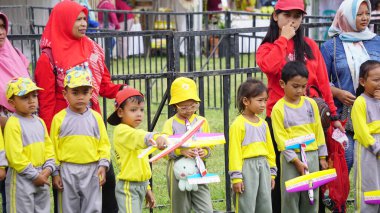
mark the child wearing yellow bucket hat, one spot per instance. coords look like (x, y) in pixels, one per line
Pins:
(184, 97)
(29, 151)
(82, 147)
(132, 183)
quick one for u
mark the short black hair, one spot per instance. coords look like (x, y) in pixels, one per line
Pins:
(249, 89)
(293, 69)
(137, 98)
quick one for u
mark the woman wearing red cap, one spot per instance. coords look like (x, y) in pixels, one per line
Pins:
(65, 45)
(285, 42)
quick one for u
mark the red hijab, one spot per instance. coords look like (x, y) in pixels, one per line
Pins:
(67, 50)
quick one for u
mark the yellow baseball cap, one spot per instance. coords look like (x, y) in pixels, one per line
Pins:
(21, 86)
(183, 89)
(77, 77)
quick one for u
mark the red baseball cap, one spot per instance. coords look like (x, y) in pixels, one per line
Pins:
(290, 5)
(121, 96)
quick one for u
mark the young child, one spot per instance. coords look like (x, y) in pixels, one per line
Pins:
(81, 145)
(29, 151)
(294, 116)
(184, 97)
(366, 122)
(251, 153)
(133, 179)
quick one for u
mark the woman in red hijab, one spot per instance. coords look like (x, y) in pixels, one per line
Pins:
(65, 45)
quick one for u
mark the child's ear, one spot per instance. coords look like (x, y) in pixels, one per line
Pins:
(282, 84)
(245, 101)
(64, 92)
(120, 112)
(12, 102)
(362, 81)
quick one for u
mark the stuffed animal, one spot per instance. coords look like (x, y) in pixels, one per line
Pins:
(183, 168)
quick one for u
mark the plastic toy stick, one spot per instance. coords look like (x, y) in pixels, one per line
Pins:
(304, 160)
(185, 137)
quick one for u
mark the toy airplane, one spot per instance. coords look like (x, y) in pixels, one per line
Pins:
(183, 139)
(198, 140)
(372, 197)
(310, 181)
(300, 143)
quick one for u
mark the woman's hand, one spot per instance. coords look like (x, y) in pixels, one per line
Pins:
(338, 125)
(288, 31)
(346, 97)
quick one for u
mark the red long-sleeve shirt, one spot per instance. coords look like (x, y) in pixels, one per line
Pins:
(272, 57)
(51, 99)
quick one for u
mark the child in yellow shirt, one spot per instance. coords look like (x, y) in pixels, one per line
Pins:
(252, 160)
(133, 179)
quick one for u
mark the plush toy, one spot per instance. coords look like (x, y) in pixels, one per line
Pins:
(183, 168)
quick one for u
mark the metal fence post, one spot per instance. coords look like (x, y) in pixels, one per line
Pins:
(226, 106)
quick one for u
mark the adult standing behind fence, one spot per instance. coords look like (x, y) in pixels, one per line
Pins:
(65, 45)
(13, 64)
(285, 42)
(352, 44)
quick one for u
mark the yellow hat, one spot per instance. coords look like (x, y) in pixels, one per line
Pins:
(183, 89)
(21, 86)
(77, 77)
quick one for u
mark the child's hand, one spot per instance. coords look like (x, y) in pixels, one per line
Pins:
(376, 94)
(57, 183)
(272, 183)
(46, 172)
(41, 180)
(300, 167)
(189, 153)
(102, 175)
(162, 142)
(201, 152)
(238, 187)
(3, 173)
(149, 199)
(323, 163)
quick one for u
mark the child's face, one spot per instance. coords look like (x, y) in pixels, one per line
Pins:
(25, 105)
(294, 88)
(290, 16)
(186, 109)
(132, 113)
(371, 84)
(255, 105)
(78, 98)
